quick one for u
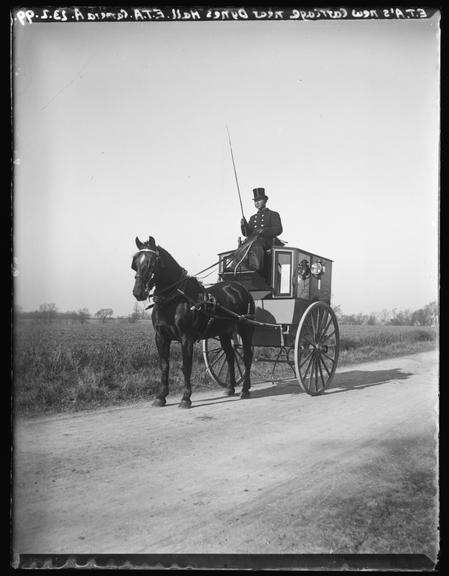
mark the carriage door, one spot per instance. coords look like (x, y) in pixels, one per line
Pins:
(282, 273)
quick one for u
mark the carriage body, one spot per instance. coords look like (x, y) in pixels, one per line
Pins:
(284, 293)
(293, 317)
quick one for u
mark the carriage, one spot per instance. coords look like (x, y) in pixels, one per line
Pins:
(293, 316)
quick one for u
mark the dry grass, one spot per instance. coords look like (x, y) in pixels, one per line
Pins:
(62, 367)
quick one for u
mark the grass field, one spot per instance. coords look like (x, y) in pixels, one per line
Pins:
(64, 367)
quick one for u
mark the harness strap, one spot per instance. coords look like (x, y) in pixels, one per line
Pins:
(157, 298)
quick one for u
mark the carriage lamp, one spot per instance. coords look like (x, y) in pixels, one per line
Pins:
(318, 269)
(303, 269)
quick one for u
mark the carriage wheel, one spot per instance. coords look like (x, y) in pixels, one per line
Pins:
(316, 348)
(216, 364)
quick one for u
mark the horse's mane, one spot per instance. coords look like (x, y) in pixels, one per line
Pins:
(168, 258)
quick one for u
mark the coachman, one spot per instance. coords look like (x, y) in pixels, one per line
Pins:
(264, 227)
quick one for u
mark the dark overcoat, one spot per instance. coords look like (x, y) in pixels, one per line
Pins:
(267, 222)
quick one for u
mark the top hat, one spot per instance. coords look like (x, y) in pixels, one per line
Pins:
(259, 194)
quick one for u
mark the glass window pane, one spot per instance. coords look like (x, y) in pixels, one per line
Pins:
(283, 270)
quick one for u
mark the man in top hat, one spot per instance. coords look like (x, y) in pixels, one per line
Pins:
(265, 225)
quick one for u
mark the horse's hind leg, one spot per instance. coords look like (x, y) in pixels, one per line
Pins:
(163, 348)
(247, 336)
(187, 359)
(226, 344)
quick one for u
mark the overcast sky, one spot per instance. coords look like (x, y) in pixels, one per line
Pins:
(120, 131)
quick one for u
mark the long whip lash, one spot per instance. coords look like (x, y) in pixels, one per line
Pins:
(235, 173)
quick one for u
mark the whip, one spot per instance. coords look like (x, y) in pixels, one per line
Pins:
(235, 174)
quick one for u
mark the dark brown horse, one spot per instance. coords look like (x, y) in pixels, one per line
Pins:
(185, 311)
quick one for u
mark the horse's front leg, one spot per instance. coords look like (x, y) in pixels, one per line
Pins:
(187, 360)
(163, 348)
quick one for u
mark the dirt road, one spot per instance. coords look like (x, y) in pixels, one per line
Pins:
(282, 472)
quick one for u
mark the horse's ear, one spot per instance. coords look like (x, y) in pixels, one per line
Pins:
(139, 244)
(151, 243)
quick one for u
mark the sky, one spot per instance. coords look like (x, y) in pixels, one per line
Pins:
(120, 131)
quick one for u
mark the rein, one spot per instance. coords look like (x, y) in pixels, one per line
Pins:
(244, 256)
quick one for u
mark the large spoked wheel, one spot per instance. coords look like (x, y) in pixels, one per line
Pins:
(316, 348)
(216, 364)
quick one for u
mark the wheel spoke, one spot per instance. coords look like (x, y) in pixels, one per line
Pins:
(316, 373)
(327, 336)
(214, 350)
(307, 339)
(307, 357)
(328, 357)
(312, 367)
(320, 325)
(324, 364)
(308, 366)
(221, 368)
(212, 364)
(237, 353)
(313, 324)
(323, 380)
(239, 359)
(328, 323)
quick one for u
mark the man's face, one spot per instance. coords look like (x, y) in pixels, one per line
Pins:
(260, 203)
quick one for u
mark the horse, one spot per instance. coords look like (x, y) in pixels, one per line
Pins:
(184, 311)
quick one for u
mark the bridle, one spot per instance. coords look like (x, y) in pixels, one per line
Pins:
(172, 289)
(139, 275)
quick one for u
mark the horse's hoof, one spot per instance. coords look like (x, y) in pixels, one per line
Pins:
(230, 391)
(245, 395)
(185, 404)
(159, 402)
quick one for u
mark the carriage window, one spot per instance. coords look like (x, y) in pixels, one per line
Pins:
(283, 272)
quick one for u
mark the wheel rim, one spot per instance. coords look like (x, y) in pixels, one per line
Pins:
(316, 348)
(216, 364)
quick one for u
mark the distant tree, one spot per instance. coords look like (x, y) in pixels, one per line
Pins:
(138, 313)
(401, 318)
(83, 315)
(384, 316)
(354, 319)
(432, 314)
(426, 316)
(338, 311)
(104, 314)
(371, 320)
(47, 312)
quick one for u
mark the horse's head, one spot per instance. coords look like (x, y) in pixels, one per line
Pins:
(144, 263)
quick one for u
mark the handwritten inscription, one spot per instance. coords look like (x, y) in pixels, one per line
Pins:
(85, 14)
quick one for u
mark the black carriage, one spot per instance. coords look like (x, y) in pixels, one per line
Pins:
(293, 315)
